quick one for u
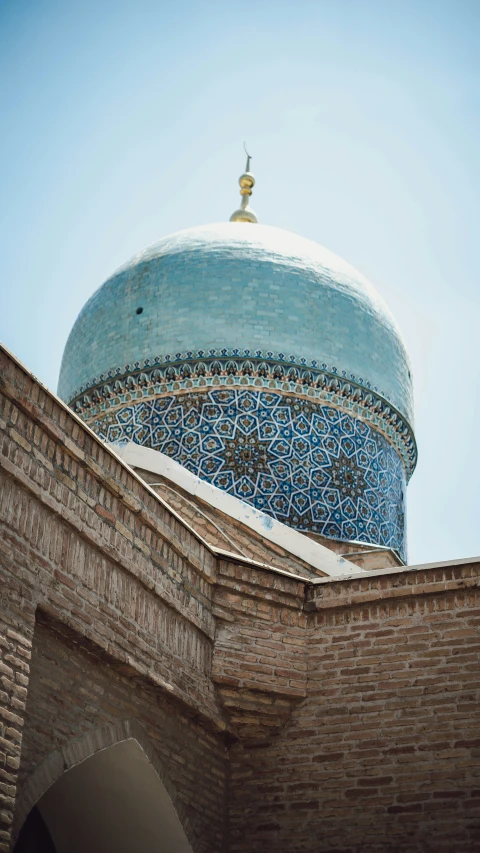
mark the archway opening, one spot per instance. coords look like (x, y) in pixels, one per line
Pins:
(113, 802)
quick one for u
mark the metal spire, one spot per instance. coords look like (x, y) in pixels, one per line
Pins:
(247, 182)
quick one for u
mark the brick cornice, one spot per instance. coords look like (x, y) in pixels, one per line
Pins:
(111, 552)
(395, 585)
(57, 420)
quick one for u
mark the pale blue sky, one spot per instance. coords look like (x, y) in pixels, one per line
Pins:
(124, 121)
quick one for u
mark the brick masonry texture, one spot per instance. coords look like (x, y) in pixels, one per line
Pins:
(281, 713)
(76, 689)
(384, 753)
(84, 543)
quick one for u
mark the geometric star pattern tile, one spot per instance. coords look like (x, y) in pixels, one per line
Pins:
(311, 466)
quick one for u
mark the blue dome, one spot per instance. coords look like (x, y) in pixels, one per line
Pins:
(261, 362)
(230, 286)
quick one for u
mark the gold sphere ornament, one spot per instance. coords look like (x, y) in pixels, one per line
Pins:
(247, 182)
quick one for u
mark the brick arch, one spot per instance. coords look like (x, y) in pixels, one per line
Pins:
(79, 749)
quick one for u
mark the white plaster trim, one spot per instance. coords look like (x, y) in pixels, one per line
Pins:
(395, 570)
(313, 553)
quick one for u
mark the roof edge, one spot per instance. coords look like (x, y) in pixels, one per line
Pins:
(109, 448)
(311, 552)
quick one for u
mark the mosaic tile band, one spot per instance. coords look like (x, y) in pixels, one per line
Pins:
(184, 371)
(312, 466)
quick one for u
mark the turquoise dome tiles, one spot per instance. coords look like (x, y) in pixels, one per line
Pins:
(313, 467)
(229, 286)
(264, 364)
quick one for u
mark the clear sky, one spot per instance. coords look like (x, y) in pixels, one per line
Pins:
(124, 121)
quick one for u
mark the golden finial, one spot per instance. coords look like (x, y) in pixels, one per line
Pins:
(247, 182)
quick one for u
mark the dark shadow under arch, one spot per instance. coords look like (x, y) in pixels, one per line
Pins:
(106, 791)
(34, 835)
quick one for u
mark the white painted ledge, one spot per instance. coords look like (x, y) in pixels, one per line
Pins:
(397, 570)
(292, 541)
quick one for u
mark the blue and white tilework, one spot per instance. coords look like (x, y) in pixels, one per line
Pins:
(194, 370)
(314, 467)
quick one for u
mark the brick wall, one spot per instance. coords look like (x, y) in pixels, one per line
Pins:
(259, 663)
(84, 541)
(74, 692)
(384, 753)
(330, 715)
(87, 538)
(16, 630)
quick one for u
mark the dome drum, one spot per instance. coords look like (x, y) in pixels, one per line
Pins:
(185, 371)
(312, 466)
